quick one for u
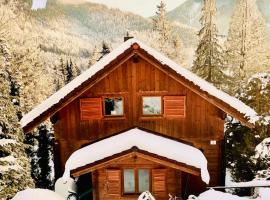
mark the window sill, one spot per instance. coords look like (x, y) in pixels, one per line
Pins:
(112, 118)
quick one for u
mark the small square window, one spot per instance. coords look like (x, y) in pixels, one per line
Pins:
(152, 106)
(129, 181)
(113, 106)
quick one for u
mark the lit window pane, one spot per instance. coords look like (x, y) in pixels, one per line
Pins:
(143, 180)
(114, 106)
(152, 105)
(129, 181)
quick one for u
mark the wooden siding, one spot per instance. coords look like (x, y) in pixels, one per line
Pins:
(202, 121)
(173, 179)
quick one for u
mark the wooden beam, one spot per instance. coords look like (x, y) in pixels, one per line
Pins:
(179, 166)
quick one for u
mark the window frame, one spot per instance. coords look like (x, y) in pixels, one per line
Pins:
(161, 107)
(104, 108)
(136, 180)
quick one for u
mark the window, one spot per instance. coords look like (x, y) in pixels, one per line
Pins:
(144, 181)
(136, 181)
(129, 181)
(113, 106)
(152, 106)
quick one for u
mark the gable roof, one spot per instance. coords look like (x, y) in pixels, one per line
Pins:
(60, 95)
(151, 143)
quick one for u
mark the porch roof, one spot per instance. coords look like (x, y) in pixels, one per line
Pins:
(142, 143)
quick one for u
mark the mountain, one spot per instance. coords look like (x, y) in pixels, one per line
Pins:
(73, 30)
(190, 11)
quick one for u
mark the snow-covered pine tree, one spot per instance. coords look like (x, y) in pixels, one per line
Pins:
(162, 25)
(14, 165)
(44, 154)
(106, 49)
(241, 141)
(94, 57)
(209, 61)
(72, 71)
(246, 42)
(164, 38)
(59, 78)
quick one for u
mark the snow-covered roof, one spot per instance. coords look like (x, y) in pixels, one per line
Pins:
(143, 140)
(204, 85)
(37, 194)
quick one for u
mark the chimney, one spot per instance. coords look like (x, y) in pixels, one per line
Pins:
(127, 37)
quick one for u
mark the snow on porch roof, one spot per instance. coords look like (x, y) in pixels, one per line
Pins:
(204, 85)
(143, 140)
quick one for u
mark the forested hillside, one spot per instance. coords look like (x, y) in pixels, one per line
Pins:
(189, 13)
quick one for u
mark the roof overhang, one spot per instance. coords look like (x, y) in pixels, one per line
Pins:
(135, 153)
(140, 143)
(86, 80)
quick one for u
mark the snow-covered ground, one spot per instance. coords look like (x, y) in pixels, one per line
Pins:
(37, 194)
(264, 194)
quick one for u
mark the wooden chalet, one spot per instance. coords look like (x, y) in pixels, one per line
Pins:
(137, 121)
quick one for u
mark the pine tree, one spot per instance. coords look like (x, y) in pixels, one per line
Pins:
(241, 141)
(246, 42)
(162, 25)
(71, 71)
(95, 55)
(15, 168)
(106, 49)
(164, 39)
(209, 62)
(60, 75)
(44, 155)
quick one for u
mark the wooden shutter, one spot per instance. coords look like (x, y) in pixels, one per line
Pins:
(174, 106)
(91, 108)
(159, 188)
(113, 177)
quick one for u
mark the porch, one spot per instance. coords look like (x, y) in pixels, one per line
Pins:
(124, 165)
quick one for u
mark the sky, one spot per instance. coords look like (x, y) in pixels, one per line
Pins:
(145, 8)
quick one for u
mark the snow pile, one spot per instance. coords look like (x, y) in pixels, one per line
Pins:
(201, 83)
(37, 194)
(146, 196)
(263, 193)
(63, 187)
(144, 141)
(216, 195)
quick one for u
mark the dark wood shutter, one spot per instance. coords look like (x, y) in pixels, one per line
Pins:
(159, 188)
(91, 108)
(174, 106)
(113, 181)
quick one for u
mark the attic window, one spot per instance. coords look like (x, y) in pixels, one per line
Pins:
(113, 106)
(152, 105)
